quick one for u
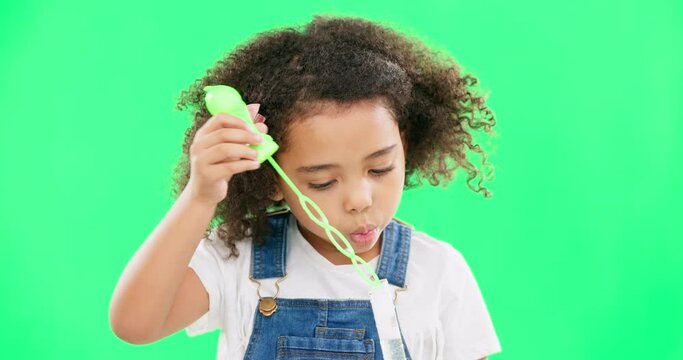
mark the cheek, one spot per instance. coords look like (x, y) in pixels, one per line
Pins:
(394, 188)
(396, 179)
(324, 202)
(391, 189)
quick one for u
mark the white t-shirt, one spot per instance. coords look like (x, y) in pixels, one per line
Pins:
(442, 313)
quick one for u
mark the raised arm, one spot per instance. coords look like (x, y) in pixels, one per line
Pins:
(158, 293)
(158, 278)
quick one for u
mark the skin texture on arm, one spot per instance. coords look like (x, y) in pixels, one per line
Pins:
(191, 302)
(157, 292)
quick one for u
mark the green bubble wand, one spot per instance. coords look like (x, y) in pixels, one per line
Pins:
(225, 99)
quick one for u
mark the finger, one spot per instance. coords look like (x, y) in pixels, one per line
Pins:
(227, 152)
(225, 170)
(228, 135)
(221, 120)
(236, 167)
(263, 128)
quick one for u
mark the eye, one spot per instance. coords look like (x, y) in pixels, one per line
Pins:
(374, 172)
(321, 186)
(380, 172)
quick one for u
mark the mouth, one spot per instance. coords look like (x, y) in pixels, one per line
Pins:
(364, 235)
(364, 229)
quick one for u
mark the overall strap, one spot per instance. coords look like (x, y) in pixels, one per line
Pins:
(269, 260)
(393, 261)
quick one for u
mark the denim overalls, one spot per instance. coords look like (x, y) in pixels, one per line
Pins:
(320, 328)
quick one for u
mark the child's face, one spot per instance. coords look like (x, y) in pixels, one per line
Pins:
(351, 163)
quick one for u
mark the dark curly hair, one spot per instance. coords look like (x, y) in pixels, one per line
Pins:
(291, 71)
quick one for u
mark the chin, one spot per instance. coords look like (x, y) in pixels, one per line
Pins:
(359, 249)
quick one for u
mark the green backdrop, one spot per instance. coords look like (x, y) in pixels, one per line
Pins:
(578, 253)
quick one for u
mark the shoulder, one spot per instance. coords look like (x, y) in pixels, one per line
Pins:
(437, 264)
(215, 247)
(439, 253)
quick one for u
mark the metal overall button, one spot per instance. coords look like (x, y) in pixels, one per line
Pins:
(267, 305)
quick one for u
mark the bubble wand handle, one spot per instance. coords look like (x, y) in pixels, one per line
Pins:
(225, 99)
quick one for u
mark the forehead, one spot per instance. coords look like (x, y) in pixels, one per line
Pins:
(341, 131)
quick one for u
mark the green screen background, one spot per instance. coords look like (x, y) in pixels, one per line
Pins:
(578, 253)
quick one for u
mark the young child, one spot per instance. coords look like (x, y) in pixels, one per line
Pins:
(361, 112)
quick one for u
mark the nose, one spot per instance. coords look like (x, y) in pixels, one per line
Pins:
(358, 197)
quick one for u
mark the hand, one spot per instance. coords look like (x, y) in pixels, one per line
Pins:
(219, 151)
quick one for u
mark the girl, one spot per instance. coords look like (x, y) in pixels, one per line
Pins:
(361, 113)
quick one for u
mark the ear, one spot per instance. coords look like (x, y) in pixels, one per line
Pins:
(278, 194)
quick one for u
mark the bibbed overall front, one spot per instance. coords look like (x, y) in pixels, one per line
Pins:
(320, 328)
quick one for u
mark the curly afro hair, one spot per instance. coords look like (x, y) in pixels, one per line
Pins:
(291, 71)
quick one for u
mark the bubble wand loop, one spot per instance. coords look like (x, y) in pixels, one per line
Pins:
(225, 99)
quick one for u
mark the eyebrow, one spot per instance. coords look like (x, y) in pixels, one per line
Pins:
(321, 167)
